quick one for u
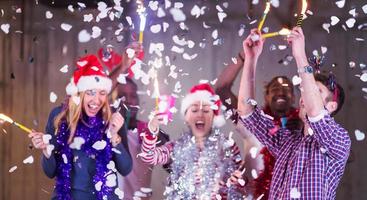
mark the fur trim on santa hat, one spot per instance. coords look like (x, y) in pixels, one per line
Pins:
(94, 82)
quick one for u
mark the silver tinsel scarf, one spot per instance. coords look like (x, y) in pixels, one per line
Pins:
(196, 173)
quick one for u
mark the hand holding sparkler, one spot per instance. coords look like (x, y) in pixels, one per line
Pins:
(142, 15)
(11, 121)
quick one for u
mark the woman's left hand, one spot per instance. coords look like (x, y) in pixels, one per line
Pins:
(116, 122)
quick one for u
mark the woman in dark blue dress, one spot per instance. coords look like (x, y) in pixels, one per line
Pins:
(81, 148)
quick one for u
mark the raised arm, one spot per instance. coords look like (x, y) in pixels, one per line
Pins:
(123, 67)
(252, 51)
(332, 137)
(225, 82)
(310, 92)
(253, 119)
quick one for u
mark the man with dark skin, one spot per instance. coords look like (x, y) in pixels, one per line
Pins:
(279, 99)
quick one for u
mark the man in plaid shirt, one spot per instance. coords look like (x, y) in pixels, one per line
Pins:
(310, 161)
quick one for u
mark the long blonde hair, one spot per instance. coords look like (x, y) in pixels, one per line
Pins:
(73, 113)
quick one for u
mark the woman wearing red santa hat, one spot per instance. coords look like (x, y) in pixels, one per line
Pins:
(202, 159)
(81, 147)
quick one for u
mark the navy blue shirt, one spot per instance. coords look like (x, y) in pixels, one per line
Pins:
(83, 168)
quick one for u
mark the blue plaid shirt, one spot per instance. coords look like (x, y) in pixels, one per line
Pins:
(307, 167)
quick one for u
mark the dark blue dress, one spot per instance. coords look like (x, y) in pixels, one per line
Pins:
(83, 168)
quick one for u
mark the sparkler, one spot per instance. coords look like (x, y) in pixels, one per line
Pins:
(283, 31)
(303, 11)
(142, 15)
(11, 121)
(266, 11)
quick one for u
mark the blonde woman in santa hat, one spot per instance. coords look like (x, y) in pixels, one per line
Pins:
(81, 147)
(202, 159)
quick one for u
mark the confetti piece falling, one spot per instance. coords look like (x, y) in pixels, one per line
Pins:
(359, 135)
(28, 160)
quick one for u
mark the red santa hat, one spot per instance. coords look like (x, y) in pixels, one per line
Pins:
(204, 93)
(88, 75)
(109, 57)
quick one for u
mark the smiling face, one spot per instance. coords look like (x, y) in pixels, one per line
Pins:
(93, 101)
(199, 117)
(280, 97)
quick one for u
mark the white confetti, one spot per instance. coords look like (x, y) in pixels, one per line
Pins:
(165, 26)
(241, 182)
(353, 12)
(146, 190)
(88, 17)
(177, 49)
(130, 52)
(155, 28)
(64, 158)
(215, 34)
(255, 37)
(282, 47)
(221, 16)
(275, 3)
(66, 27)
(364, 77)
(340, 3)
(12, 169)
(253, 152)
(64, 69)
(99, 145)
(178, 15)
(350, 22)
(161, 13)
(84, 36)
(310, 131)
(96, 32)
(359, 135)
(153, 5)
(111, 180)
(53, 97)
(48, 14)
(295, 193)
(334, 20)
(364, 8)
(28, 160)
(46, 138)
(122, 78)
(296, 80)
(254, 174)
(255, 2)
(323, 50)
(197, 11)
(177, 88)
(129, 20)
(98, 186)
(326, 27)
(77, 143)
(189, 57)
(70, 8)
(49, 149)
(76, 99)
(5, 28)
(119, 193)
